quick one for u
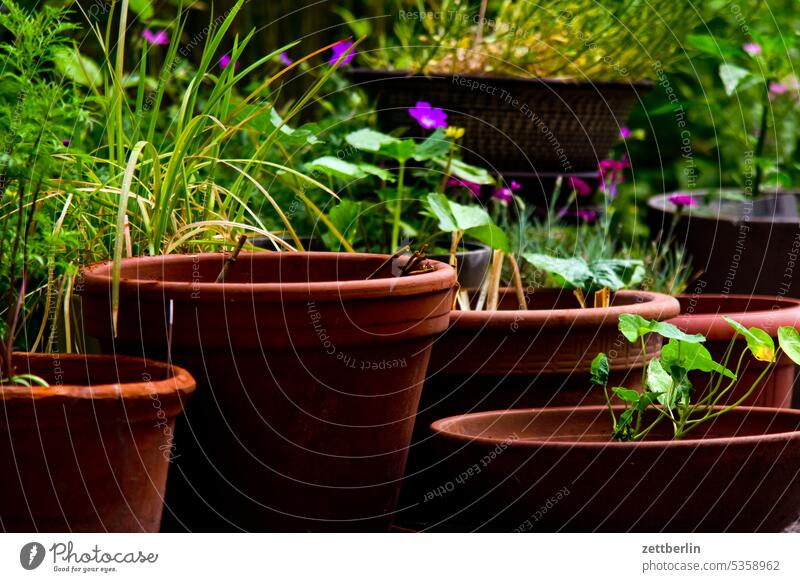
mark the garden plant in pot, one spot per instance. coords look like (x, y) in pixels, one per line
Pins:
(740, 227)
(539, 89)
(87, 440)
(309, 364)
(667, 457)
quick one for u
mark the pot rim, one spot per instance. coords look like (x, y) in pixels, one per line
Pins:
(643, 84)
(178, 380)
(441, 428)
(661, 203)
(98, 276)
(787, 314)
(665, 305)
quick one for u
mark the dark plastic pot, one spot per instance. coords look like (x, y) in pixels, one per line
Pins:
(90, 452)
(513, 124)
(556, 469)
(510, 359)
(471, 264)
(704, 314)
(309, 380)
(741, 248)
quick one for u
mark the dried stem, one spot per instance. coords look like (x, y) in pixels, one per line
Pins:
(523, 304)
(231, 260)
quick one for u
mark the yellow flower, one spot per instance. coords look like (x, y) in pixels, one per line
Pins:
(454, 132)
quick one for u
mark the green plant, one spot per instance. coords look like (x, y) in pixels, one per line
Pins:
(580, 39)
(666, 388)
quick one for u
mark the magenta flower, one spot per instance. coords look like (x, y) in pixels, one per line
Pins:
(588, 216)
(778, 88)
(471, 186)
(338, 50)
(579, 186)
(284, 58)
(751, 48)
(159, 38)
(624, 132)
(611, 174)
(506, 193)
(427, 116)
(66, 142)
(225, 60)
(681, 199)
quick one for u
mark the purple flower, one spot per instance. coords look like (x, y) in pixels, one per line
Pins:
(66, 142)
(159, 37)
(427, 116)
(471, 186)
(284, 58)
(624, 132)
(751, 48)
(579, 186)
(338, 50)
(587, 216)
(778, 88)
(506, 193)
(225, 60)
(680, 199)
(611, 174)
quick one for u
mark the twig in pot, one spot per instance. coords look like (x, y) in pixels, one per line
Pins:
(231, 259)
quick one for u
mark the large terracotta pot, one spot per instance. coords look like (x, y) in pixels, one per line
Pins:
(490, 360)
(90, 452)
(749, 248)
(309, 380)
(703, 313)
(556, 469)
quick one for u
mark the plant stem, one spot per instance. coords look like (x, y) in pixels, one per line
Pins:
(762, 137)
(523, 304)
(398, 206)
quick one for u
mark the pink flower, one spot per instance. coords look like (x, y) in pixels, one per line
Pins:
(471, 186)
(751, 48)
(427, 116)
(225, 60)
(778, 88)
(588, 216)
(624, 132)
(611, 174)
(66, 142)
(284, 58)
(506, 193)
(681, 199)
(160, 37)
(338, 50)
(579, 186)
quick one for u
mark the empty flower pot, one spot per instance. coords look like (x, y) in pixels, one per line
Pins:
(557, 469)
(703, 313)
(90, 452)
(309, 378)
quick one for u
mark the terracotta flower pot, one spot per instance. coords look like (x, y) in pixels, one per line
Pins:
(309, 380)
(556, 469)
(513, 124)
(89, 453)
(472, 263)
(737, 247)
(518, 359)
(703, 313)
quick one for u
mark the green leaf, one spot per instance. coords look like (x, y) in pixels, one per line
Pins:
(434, 146)
(626, 394)
(660, 382)
(691, 356)
(616, 274)
(297, 136)
(369, 140)
(142, 8)
(713, 45)
(76, 67)
(633, 326)
(335, 167)
(400, 150)
(453, 216)
(789, 340)
(600, 370)
(467, 172)
(732, 76)
(440, 207)
(372, 170)
(761, 345)
(572, 272)
(669, 331)
(492, 235)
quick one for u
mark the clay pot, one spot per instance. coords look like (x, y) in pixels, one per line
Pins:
(309, 380)
(90, 452)
(556, 469)
(472, 263)
(737, 247)
(704, 314)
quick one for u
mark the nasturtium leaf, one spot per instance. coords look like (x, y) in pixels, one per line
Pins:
(691, 356)
(436, 145)
(290, 134)
(761, 345)
(467, 172)
(401, 150)
(789, 340)
(492, 235)
(599, 370)
(335, 167)
(732, 76)
(384, 175)
(660, 382)
(626, 394)
(616, 274)
(453, 216)
(77, 67)
(669, 331)
(633, 326)
(572, 273)
(369, 140)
